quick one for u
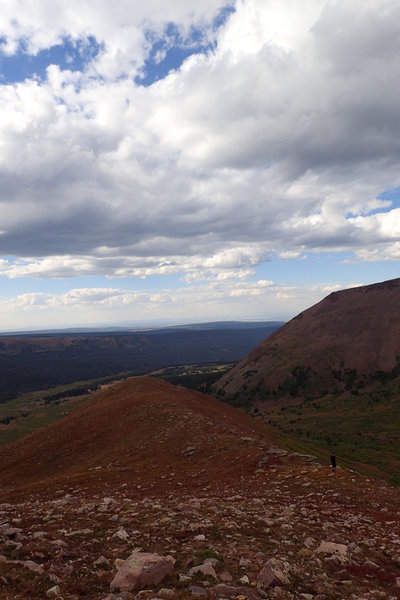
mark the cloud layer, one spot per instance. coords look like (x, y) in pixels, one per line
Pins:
(276, 141)
(222, 299)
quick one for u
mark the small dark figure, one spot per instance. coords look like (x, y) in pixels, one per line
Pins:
(333, 461)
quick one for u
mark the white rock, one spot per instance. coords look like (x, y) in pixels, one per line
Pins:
(121, 535)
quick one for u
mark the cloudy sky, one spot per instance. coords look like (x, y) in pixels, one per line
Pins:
(193, 161)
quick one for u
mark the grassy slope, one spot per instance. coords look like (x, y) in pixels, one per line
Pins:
(364, 430)
(30, 411)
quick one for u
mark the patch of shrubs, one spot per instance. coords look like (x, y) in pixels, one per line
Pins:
(7, 420)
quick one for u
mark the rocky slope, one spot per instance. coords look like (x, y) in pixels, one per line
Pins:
(150, 491)
(348, 341)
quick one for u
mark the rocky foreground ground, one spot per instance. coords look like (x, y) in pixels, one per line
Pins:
(288, 531)
(152, 491)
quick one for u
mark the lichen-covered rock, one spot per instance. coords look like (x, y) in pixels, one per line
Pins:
(275, 572)
(142, 569)
(339, 551)
(206, 569)
(166, 594)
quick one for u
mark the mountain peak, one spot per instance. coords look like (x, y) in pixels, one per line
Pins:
(355, 330)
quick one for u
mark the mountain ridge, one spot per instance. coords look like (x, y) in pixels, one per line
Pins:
(344, 341)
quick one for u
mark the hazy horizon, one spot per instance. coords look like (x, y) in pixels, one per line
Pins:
(132, 326)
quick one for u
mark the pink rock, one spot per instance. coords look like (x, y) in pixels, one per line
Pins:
(142, 569)
(205, 569)
(275, 572)
(32, 566)
(338, 551)
(28, 564)
(225, 577)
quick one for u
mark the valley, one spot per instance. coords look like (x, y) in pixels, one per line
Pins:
(40, 361)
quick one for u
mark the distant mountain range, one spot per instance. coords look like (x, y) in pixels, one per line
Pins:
(148, 328)
(37, 361)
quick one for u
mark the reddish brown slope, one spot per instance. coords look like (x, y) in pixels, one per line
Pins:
(139, 430)
(341, 341)
(178, 473)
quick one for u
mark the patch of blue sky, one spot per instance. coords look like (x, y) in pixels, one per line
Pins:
(392, 195)
(69, 55)
(224, 15)
(10, 288)
(326, 268)
(134, 283)
(169, 52)
(24, 285)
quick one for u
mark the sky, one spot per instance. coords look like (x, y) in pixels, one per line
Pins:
(189, 161)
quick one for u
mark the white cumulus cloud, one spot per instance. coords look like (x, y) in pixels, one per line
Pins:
(275, 141)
